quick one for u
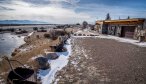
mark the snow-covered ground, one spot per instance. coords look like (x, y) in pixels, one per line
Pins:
(86, 32)
(47, 76)
(119, 39)
(125, 40)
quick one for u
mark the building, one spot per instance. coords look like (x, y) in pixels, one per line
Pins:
(128, 28)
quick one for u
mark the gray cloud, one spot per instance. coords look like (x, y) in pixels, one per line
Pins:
(63, 11)
(5, 1)
(5, 8)
(53, 13)
(38, 2)
(48, 2)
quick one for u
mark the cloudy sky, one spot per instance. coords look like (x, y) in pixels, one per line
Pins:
(70, 11)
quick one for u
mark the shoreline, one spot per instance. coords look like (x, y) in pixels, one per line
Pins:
(10, 42)
(35, 44)
(19, 54)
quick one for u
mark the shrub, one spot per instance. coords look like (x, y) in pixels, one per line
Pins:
(24, 31)
(35, 28)
(47, 35)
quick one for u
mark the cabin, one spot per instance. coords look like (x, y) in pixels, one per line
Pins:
(127, 28)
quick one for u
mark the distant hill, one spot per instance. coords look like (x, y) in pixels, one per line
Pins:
(21, 22)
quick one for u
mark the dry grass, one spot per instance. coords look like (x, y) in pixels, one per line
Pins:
(39, 41)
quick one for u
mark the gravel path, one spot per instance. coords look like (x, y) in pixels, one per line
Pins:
(103, 61)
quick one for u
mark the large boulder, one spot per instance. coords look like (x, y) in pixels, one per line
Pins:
(43, 63)
(60, 48)
(25, 74)
(52, 56)
(15, 52)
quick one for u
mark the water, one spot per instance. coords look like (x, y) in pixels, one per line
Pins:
(9, 42)
(29, 27)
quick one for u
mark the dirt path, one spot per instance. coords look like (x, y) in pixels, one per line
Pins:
(102, 61)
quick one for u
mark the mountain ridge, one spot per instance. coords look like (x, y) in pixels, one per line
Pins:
(21, 22)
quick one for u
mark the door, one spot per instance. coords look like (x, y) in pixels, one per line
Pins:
(128, 31)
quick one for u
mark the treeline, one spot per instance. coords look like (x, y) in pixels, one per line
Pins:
(22, 24)
(10, 29)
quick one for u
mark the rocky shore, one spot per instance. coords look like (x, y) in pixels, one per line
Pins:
(36, 44)
(39, 46)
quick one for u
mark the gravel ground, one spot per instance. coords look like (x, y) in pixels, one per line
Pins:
(103, 61)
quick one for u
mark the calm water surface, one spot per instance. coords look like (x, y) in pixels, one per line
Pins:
(9, 42)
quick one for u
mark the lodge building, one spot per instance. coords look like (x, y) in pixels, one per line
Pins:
(128, 28)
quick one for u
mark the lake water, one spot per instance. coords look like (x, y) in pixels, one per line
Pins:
(9, 42)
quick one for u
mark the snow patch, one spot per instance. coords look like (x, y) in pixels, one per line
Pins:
(30, 33)
(119, 39)
(27, 48)
(84, 53)
(84, 36)
(33, 58)
(85, 33)
(47, 76)
(125, 40)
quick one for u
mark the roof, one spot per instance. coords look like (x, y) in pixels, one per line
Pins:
(122, 21)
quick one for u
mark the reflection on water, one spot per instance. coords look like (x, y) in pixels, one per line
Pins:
(9, 42)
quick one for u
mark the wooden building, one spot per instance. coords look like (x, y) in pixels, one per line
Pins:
(128, 28)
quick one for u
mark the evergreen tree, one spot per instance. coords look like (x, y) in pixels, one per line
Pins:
(85, 24)
(35, 29)
(119, 18)
(78, 24)
(128, 17)
(108, 17)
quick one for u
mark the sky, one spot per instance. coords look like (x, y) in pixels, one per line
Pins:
(70, 11)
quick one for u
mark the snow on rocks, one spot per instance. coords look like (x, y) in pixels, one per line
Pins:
(85, 33)
(2, 81)
(47, 76)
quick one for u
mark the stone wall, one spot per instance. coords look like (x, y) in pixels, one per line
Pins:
(116, 30)
(144, 27)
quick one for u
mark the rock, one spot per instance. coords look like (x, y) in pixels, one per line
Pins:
(16, 51)
(60, 48)
(43, 63)
(52, 56)
(64, 49)
(75, 34)
(13, 53)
